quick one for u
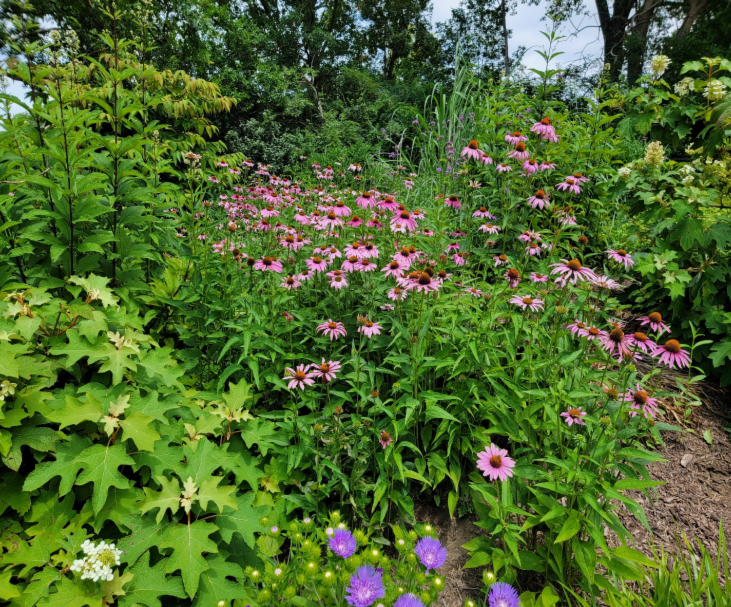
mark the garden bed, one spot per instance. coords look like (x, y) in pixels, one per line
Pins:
(694, 500)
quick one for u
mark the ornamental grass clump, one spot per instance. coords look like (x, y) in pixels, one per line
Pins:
(329, 565)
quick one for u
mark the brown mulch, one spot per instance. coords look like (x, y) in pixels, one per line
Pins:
(694, 500)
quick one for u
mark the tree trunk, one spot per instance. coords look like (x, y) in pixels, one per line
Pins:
(694, 11)
(613, 28)
(506, 50)
(636, 42)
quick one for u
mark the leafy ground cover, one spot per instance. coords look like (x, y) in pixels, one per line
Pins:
(222, 385)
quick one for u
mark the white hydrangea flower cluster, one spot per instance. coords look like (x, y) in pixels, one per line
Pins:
(714, 90)
(625, 172)
(685, 86)
(659, 64)
(98, 562)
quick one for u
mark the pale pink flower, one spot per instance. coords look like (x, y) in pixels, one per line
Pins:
(656, 323)
(592, 333)
(574, 415)
(616, 340)
(475, 292)
(503, 168)
(334, 330)
(640, 341)
(388, 203)
(500, 260)
(495, 463)
(576, 327)
(366, 200)
(317, 264)
(365, 265)
(519, 153)
(530, 166)
(535, 305)
(459, 259)
(539, 200)
(453, 201)
(545, 130)
(515, 138)
(533, 249)
(393, 269)
(404, 219)
(569, 184)
(350, 264)
(535, 277)
(472, 151)
(341, 210)
(621, 256)
(489, 228)
(369, 329)
(485, 160)
(482, 212)
(326, 371)
(571, 271)
(338, 280)
(397, 294)
(603, 282)
(291, 282)
(299, 378)
(305, 275)
(268, 264)
(672, 355)
(641, 401)
(513, 277)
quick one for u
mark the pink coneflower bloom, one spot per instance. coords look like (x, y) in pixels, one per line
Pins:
(513, 277)
(356, 249)
(621, 256)
(503, 168)
(334, 330)
(592, 333)
(369, 329)
(408, 184)
(291, 282)
(457, 234)
(655, 321)
(459, 259)
(405, 219)
(268, 264)
(331, 220)
(393, 269)
(369, 251)
(453, 246)
(616, 340)
(269, 212)
(472, 151)
(484, 160)
(365, 265)
(387, 307)
(576, 327)
(535, 277)
(579, 177)
(533, 249)
(355, 168)
(388, 203)
(475, 292)
(545, 130)
(340, 209)
(366, 200)
(547, 166)
(300, 217)
(500, 260)
(640, 341)
(519, 153)
(641, 401)
(385, 439)
(569, 184)
(515, 138)
(453, 201)
(573, 416)
(539, 200)
(489, 228)
(672, 355)
(604, 282)
(326, 371)
(317, 264)
(495, 463)
(424, 284)
(528, 236)
(530, 166)
(293, 243)
(527, 302)
(571, 271)
(305, 275)
(482, 212)
(349, 265)
(337, 279)
(355, 221)
(299, 378)
(397, 294)
(405, 257)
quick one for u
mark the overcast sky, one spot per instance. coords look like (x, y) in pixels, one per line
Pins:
(526, 26)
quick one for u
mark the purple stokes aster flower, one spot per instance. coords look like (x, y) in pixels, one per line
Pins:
(503, 595)
(431, 553)
(365, 587)
(342, 543)
(408, 600)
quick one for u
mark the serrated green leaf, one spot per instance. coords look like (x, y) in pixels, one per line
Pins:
(100, 465)
(166, 499)
(243, 520)
(137, 427)
(150, 583)
(188, 543)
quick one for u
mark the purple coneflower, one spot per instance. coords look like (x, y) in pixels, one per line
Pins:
(616, 340)
(431, 553)
(475, 292)
(369, 329)
(655, 321)
(527, 302)
(291, 282)
(573, 416)
(334, 330)
(503, 168)
(268, 264)
(641, 401)
(513, 277)
(621, 256)
(472, 150)
(317, 264)
(385, 439)
(606, 283)
(327, 370)
(453, 201)
(500, 260)
(672, 355)
(366, 200)
(571, 271)
(519, 153)
(495, 463)
(397, 294)
(535, 277)
(530, 166)
(515, 138)
(533, 249)
(539, 200)
(299, 378)
(569, 184)
(640, 341)
(489, 228)
(459, 259)
(482, 212)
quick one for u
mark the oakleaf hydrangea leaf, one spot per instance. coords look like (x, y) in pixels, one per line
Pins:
(100, 465)
(188, 543)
